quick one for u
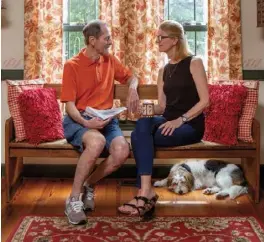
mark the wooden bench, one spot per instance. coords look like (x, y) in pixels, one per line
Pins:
(248, 152)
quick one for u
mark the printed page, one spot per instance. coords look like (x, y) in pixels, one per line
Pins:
(104, 114)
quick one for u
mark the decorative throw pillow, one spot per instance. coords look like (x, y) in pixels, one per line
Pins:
(222, 115)
(249, 108)
(41, 115)
(14, 88)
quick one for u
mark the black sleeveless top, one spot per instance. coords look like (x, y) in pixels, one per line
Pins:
(181, 93)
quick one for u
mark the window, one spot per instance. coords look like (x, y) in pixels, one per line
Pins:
(76, 13)
(192, 14)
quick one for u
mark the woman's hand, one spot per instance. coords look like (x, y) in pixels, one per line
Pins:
(169, 127)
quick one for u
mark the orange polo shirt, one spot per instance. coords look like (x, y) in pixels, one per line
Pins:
(91, 83)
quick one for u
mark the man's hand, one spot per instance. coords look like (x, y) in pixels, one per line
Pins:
(169, 127)
(96, 123)
(132, 101)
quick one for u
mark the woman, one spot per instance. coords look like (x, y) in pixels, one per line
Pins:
(182, 97)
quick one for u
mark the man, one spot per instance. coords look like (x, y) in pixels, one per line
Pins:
(88, 80)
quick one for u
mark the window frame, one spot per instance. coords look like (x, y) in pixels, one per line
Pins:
(188, 26)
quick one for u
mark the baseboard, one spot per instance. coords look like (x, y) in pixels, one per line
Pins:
(12, 74)
(253, 75)
(126, 171)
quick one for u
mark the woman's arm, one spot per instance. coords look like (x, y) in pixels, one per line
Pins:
(159, 109)
(199, 77)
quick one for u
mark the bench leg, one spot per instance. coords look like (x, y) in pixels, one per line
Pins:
(13, 173)
(251, 168)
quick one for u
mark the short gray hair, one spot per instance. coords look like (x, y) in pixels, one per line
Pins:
(93, 28)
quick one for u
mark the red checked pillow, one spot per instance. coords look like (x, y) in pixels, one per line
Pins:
(249, 108)
(222, 116)
(41, 115)
(14, 88)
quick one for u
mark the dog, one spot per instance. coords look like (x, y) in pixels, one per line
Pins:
(214, 176)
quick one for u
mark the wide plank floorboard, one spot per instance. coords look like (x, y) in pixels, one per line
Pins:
(47, 197)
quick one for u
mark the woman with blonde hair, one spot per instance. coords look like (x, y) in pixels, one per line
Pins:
(179, 120)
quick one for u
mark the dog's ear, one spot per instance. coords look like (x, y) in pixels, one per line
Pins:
(169, 181)
(189, 180)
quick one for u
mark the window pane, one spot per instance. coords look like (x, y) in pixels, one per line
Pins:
(80, 11)
(76, 12)
(73, 43)
(201, 46)
(201, 11)
(181, 10)
(186, 11)
(191, 40)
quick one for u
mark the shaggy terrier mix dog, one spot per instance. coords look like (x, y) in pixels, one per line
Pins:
(214, 176)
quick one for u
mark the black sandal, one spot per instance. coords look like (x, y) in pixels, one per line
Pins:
(129, 205)
(148, 209)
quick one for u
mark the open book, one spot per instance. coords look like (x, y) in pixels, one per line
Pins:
(104, 114)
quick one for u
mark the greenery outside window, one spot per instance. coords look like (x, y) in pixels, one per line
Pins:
(192, 14)
(76, 13)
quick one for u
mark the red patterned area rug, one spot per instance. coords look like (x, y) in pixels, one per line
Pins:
(131, 229)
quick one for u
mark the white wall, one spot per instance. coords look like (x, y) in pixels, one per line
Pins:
(252, 37)
(13, 53)
(12, 36)
(253, 54)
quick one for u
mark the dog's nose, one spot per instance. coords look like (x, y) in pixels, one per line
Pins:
(180, 192)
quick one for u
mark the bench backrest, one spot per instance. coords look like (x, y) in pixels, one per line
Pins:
(121, 91)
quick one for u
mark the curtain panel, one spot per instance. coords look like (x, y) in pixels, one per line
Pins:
(133, 25)
(43, 40)
(224, 40)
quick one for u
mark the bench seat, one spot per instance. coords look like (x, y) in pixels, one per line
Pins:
(63, 144)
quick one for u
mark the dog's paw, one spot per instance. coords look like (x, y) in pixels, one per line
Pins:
(158, 184)
(198, 186)
(208, 191)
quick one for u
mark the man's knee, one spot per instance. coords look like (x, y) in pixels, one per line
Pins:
(94, 142)
(120, 151)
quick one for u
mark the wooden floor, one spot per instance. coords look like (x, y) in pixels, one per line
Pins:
(47, 197)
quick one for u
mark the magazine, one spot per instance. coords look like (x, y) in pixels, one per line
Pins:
(104, 114)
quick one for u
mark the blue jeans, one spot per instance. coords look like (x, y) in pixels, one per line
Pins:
(147, 135)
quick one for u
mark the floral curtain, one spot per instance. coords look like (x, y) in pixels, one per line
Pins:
(43, 40)
(224, 40)
(133, 25)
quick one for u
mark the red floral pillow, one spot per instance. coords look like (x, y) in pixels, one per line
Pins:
(222, 116)
(249, 107)
(41, 115)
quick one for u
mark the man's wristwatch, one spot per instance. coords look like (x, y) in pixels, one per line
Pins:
(184, 118)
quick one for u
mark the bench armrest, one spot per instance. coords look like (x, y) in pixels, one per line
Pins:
(256, 131)
(9, 130)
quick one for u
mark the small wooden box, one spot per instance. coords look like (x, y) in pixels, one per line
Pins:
(148, 109)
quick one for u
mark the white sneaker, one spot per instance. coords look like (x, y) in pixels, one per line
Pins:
(74, 210)
(88, 198)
